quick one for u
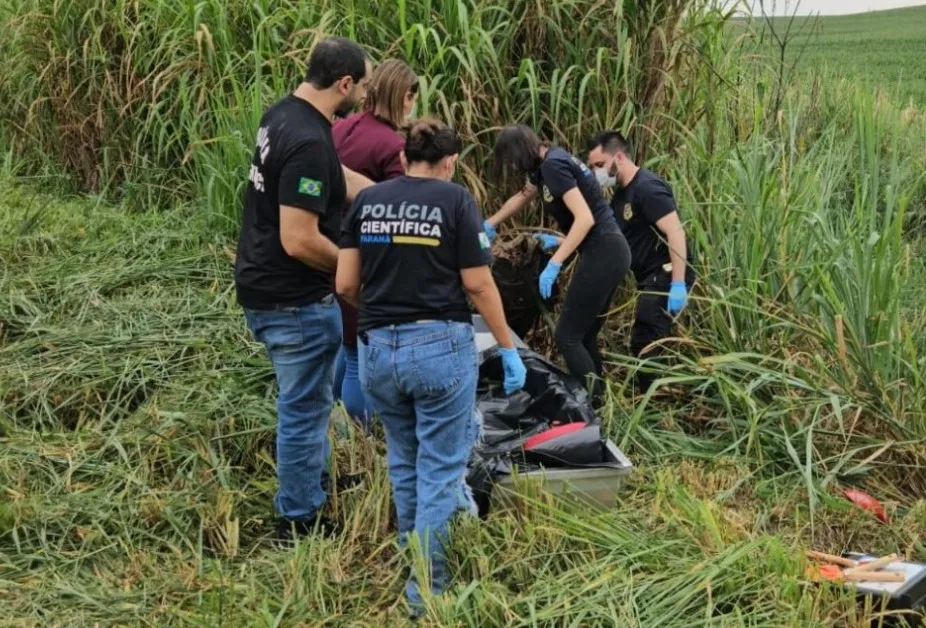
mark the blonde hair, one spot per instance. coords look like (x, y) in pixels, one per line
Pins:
(391, 81)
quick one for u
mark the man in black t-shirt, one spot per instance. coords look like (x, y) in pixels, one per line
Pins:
(645, 209)
(285, 261)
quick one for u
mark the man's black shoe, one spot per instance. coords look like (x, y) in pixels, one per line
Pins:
(289, 530)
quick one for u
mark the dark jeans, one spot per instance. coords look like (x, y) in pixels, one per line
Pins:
(652, 322)
(603, 263)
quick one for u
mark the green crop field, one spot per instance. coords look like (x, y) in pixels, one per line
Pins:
(137, 415)
(880, 50)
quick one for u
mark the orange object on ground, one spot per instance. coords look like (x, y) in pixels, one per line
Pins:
(824, 572)
(866, 502)
(834, 573)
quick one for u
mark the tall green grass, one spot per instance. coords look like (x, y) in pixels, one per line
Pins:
(157, 101)
(800, 353)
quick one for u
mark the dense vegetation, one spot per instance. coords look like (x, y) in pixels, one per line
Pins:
(136, 417)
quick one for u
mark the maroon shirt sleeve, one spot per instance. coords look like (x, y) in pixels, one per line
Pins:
(393, 165)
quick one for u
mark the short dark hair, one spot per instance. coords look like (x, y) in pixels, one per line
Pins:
(429, 140)
(334, 58)
(612, 142)
(517, 150)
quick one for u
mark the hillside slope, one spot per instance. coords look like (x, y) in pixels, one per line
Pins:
(883, 49)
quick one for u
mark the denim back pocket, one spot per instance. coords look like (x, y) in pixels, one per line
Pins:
(437, 365)
(279, 330)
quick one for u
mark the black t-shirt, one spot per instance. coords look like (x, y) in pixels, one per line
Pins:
(637, 208)
(559, 173)
(414, 236)
(294, 164)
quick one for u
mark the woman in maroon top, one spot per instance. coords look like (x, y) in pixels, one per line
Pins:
(369, 143)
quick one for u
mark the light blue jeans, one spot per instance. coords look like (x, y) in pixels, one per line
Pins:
(303, 344)
(421, 379)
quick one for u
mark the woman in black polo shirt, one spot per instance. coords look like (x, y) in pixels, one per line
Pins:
(412, 251)
(571, 194)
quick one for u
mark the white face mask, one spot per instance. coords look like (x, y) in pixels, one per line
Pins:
(605, 179)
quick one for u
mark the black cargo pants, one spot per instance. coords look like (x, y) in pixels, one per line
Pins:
(652, 322)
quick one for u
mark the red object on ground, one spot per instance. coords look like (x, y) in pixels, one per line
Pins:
(550, 434)
(866, 502)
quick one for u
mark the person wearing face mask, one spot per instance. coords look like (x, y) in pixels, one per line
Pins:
(571, 194)
(645, 208)
(284, 265)
(370, 143)
(412, 252)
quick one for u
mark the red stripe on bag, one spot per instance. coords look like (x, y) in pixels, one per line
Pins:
(550, 434)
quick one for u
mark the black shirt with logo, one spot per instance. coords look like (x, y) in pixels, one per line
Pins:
(294, 164)
(415, 235)
(559, 173)
(638, 207)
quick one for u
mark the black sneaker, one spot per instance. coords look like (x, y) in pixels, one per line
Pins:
(288, 531)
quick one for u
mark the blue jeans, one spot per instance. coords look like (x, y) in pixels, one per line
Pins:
(340, 369)
(303, 343)
(421, 379)
(351, 393)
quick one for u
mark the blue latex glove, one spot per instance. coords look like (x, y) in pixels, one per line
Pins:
(547, 242)
(489, 229)
(515, 371)
(678, 297)
(548, 278)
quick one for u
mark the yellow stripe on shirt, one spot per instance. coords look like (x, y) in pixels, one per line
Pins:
(415, 240)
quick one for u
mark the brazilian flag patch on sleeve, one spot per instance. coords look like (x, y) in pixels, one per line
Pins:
(310, 187)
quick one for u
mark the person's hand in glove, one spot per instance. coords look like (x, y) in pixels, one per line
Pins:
(515, 371)
(489, 229)
(547, 242)
(678, 297)
(548, 278)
